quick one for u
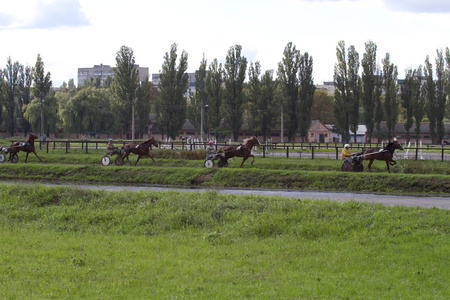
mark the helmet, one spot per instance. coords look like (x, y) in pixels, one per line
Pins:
(110, 140)
(210, 142)
(346, 146)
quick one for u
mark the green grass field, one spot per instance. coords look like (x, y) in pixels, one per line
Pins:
(60, 242)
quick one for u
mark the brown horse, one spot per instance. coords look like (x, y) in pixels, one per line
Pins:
(141, 149)
(386, 154)
(27, 147)
(244, 150)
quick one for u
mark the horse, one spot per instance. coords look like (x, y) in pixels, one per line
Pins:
(244, 150)
(385, 154)
(27, 146)
(141, 149)
(354, 164)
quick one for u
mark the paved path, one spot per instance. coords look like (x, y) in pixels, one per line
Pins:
(424, 201)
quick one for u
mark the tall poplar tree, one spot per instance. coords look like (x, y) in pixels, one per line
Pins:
(369, 79)
(143, 105)
(447, 82)
(196, 110)
(440, 96)
(234, 100)
(355, 87)
(124, 87)
(289, 84)
(214, 93)
(42, 84)
(429, 92)
(171, 103)
(12, 87)
(342, 94)
(26, 80)
(411, 99)
(262, 102)
(390, 75)
(306, 94)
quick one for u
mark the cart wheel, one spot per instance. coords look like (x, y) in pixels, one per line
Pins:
(14, 158)
(106, 160)
(2, 157)
(209, 163)
(119, 161)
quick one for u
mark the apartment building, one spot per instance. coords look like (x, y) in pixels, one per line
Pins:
(103, 71)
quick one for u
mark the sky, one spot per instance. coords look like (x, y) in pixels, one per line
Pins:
(72, 34)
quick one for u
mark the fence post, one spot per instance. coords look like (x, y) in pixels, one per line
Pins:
(47, 146)
(312, 152)
(287, 152)
(337, 153)
(442, 157)
(66, 146)
(86, 147)
(264, 151)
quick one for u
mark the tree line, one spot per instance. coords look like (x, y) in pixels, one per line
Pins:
(232, 94)
(377, 95)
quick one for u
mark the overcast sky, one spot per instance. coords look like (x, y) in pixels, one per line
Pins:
(71, 34)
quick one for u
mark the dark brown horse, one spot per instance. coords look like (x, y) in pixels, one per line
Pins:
(386, 154)
(27, 146)
(244, 150)
(141, 149)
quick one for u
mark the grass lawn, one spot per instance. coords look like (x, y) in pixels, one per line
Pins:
(60, 242)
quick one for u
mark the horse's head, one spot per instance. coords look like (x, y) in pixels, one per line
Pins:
(397, 145)
(154, 142)
(32, 136)
(150, 142)
(250, 142)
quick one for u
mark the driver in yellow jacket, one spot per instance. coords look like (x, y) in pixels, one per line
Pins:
(346, 154)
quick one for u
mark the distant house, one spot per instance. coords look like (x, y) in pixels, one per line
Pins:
(319, 133)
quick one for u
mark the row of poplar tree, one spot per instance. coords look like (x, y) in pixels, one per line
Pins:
(229, 94)
(376, 95)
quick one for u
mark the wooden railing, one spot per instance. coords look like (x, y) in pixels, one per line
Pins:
(305, 150)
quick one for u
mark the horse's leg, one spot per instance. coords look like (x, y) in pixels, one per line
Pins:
(243, 160)
(148, 154)
(126, 156)
(387, 165)
(370, 163)
(253, 159)
(139, 156)
(34, 151)
(26, 158)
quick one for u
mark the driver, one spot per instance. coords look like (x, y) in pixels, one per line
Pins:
(110, 147)
(346, 154)
(210, 150)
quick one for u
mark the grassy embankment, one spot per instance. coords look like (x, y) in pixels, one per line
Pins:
(81, 244)
(186, 168)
